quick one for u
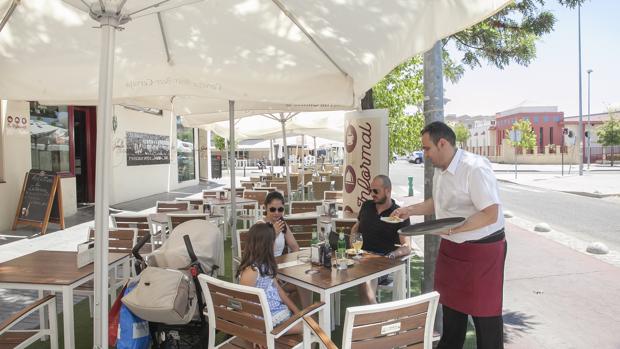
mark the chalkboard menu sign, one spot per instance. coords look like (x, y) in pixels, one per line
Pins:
(40, 201)
(147, 149)
(216, 166)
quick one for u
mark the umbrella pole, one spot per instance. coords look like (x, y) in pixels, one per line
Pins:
(233, 181)
(286, 167)
(102, 183)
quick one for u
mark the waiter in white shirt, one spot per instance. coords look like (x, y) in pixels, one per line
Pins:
(469, 272)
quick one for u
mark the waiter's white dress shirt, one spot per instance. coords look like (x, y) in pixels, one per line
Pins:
(467, 186)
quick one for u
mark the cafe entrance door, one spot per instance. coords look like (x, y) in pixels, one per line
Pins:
(84, 121)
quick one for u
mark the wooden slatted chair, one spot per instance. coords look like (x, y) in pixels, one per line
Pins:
(249, 215)
(403, 323)
(319, 188)
(302, 230)
(194, 204)
(142, 225)
(248, 185)
(332, 195)
(174, 219)
(242, 237)
(281, 187)
(338, 181)
(304, 206)
(18, 339)
(171, 206)
(119, 241)
(243, 312)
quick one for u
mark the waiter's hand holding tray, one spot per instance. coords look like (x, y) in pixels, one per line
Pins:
(434, 227)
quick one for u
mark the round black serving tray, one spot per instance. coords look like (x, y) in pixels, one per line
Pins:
(431, 227)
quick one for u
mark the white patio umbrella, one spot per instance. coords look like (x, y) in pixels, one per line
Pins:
(269, 56)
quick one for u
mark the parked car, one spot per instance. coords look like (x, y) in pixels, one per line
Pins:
(417, 157)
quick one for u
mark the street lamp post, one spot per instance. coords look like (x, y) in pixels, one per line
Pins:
(589, 71)
(580, 132)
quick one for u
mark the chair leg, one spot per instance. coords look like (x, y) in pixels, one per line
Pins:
(53, 324)
(91, 306)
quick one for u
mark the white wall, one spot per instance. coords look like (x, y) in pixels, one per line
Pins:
(16, 158)
(132, 182)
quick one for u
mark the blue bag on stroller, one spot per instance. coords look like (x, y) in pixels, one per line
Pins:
(133, 332)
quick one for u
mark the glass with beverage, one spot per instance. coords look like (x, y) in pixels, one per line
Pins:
(357, 241)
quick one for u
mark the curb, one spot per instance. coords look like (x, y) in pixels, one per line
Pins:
(581, 193)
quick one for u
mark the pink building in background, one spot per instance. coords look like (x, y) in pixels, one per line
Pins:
(547, 123)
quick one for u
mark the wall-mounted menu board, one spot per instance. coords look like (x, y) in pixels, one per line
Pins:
(147, 149)
(40, 201)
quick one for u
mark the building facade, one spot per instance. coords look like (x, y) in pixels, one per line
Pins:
(547, 123)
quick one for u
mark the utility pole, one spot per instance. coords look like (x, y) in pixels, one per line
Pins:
(580, 132)
(588, 126)
(433, 111)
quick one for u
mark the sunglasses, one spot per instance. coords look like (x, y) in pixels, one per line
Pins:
(273, 209)
(375, 191)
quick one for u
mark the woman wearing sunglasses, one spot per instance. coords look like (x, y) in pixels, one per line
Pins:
(274, 211)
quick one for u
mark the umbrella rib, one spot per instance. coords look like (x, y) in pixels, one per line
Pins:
(8, 13)
(163, 36)
(301, 27)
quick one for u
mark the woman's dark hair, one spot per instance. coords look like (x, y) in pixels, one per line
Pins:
(438, 130)
(274, 195)
(258, 250)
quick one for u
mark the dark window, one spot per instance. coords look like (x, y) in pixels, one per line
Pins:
(551, 135)
(540, 134)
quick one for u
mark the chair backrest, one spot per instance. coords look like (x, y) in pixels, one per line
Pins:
(194, 204)
(275, 180)
(338, 181)
(307, 177)
(332, 195)
(255, 179)
(282, 187)
(171, 206)
(119, 240)
(242, 236)
(238, 310)
(247, 185)
(139, 222)
(302, 230)
(403, 323)
(174, 219)
(304, 206)
(318, 188)
(345, 226)
(294, 182)
(210, 194)
(258, 195)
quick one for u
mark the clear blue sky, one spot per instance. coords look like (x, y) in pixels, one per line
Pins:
(552, 78)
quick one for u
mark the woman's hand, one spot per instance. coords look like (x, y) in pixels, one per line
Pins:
(279, 226)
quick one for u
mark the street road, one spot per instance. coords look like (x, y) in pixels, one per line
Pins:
(585, 218)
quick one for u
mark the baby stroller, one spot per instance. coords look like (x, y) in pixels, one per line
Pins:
(168, 293)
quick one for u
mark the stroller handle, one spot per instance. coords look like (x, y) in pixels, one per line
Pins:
(190, 248)
(135, 251)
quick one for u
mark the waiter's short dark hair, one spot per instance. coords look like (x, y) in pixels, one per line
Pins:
(438, 130)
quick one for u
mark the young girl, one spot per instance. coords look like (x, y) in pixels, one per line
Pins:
(258, 268)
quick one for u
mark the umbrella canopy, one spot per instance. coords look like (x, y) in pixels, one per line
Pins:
(284, 55)
(327, 125)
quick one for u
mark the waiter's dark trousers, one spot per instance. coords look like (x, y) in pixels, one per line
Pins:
(489, 330)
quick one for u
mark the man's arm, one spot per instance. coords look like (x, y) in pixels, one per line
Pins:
(480, 219)
(427, 207)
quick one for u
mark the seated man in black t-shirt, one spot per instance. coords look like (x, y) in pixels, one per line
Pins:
(379, 236)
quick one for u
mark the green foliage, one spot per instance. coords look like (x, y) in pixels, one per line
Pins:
(220, 142)
(528, 137)
(401, 88)
(506, 37)
(462, 133)
(609, 133)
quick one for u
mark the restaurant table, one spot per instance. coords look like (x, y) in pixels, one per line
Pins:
(54, 271)
(329, 281)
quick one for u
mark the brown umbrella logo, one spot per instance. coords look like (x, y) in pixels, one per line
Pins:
(349, 179)
(351, 139)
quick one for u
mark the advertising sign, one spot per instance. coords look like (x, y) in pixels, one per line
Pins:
(147, 149)
(366, 154)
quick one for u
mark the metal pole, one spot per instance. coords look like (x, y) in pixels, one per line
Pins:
(433, 111)
(233, 180)
(286, 159)
(588, 126)
(580, 132)
(102, 183)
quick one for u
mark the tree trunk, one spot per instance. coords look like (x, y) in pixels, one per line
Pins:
(433, 111)
(368, 102)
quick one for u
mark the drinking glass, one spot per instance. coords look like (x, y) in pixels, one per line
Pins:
(357, 241)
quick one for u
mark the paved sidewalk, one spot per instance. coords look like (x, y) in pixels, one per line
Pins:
(555, 297)
(599, 181)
